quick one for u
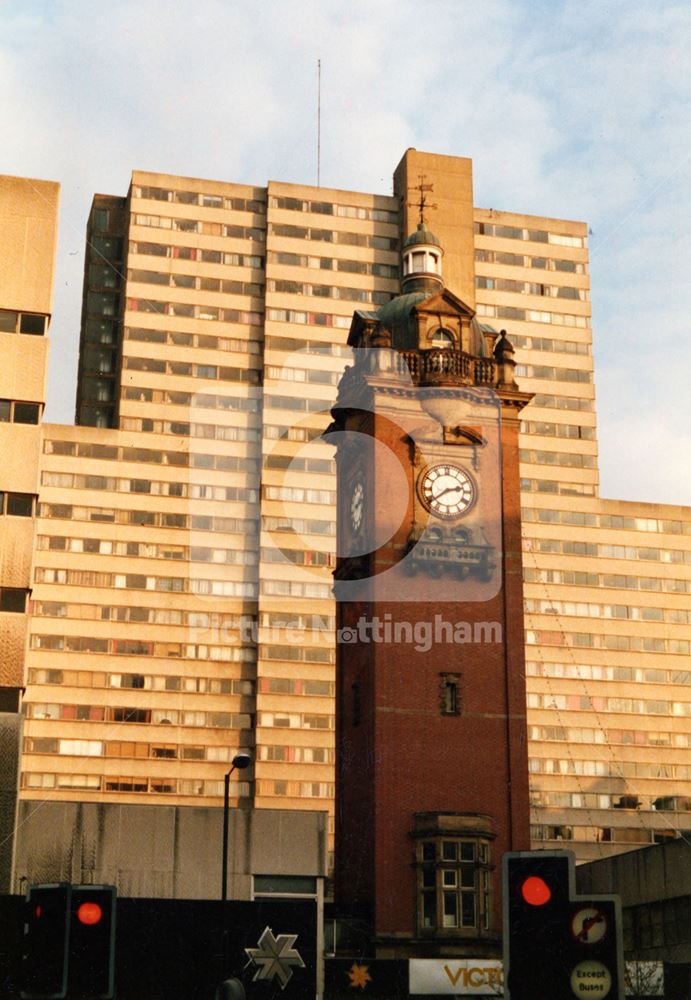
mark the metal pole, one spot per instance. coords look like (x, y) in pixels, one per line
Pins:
(241, 761)
(224, 863)
(319, 120)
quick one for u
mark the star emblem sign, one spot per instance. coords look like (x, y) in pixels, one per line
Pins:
(275, 956)
(359, 976)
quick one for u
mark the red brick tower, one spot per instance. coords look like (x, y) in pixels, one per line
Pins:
(432, 779)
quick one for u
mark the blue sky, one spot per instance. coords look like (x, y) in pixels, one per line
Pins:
(577, 109)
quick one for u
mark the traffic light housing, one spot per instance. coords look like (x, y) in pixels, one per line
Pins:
(69, 942)
(91, 956)
(46, 936)
(558, 945)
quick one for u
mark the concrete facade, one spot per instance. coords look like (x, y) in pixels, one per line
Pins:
(654, 884)
(28, 235)
(167, 852)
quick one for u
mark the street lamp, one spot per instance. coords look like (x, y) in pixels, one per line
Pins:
(240, 762)
(225, 990)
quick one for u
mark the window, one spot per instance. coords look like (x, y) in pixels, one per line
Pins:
(130, 715)
(450, 694)
(13, 600)
(8, 321)
(18, 504)
(32, 323)
(453, 863)
(442, 338)
(284, 885)
(19, 413)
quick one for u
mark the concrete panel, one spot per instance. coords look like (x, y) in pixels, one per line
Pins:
(12, 646)
(164, 851)
(283, 841)
(24, 367)
(10, 737)
(16, 547)
(28, 234)
(20, 448)
(644, 876)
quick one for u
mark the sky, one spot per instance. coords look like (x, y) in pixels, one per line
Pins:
(576, 109)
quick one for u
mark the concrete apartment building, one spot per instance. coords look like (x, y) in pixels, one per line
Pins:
(28, 234)
(185, 528)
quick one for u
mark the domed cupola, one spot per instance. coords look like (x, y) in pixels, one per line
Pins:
(422, 254)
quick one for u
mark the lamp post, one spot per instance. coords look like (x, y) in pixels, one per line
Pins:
(240, 762)
(228, 989)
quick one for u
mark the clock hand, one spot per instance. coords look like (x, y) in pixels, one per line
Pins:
(449, 489)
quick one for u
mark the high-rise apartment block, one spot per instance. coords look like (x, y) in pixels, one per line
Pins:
(181, 604)
(28, 233)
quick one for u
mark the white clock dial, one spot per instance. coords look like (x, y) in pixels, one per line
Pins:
(357, 506)
(447, 490)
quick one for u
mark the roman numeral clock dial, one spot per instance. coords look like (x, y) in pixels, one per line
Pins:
(447, 490)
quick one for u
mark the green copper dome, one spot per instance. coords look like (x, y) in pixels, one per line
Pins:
(422, 235)
(398, 316)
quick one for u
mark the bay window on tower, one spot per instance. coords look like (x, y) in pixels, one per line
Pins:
(453, 862)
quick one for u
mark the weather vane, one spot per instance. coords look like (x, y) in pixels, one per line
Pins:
(421, 205)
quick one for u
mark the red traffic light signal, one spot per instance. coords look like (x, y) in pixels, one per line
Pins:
(89, 913)
(535, 891)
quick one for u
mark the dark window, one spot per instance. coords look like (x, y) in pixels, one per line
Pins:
(142, 517)
(290, 885)
(13, 600)
(21, 504)
(5, 410)
(131, 715)
(454, 892)
(32, 323)
(106, 247)
(26, 413)
(131, 680)
(450, 695)
(100, 218)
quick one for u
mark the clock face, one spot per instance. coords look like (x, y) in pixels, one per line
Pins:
(447, 490)
(357, 506)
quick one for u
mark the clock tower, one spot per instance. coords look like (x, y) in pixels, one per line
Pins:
(432, 770)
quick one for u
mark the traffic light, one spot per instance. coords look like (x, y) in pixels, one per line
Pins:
(46, 934)
(558, 945)
(91, 954)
